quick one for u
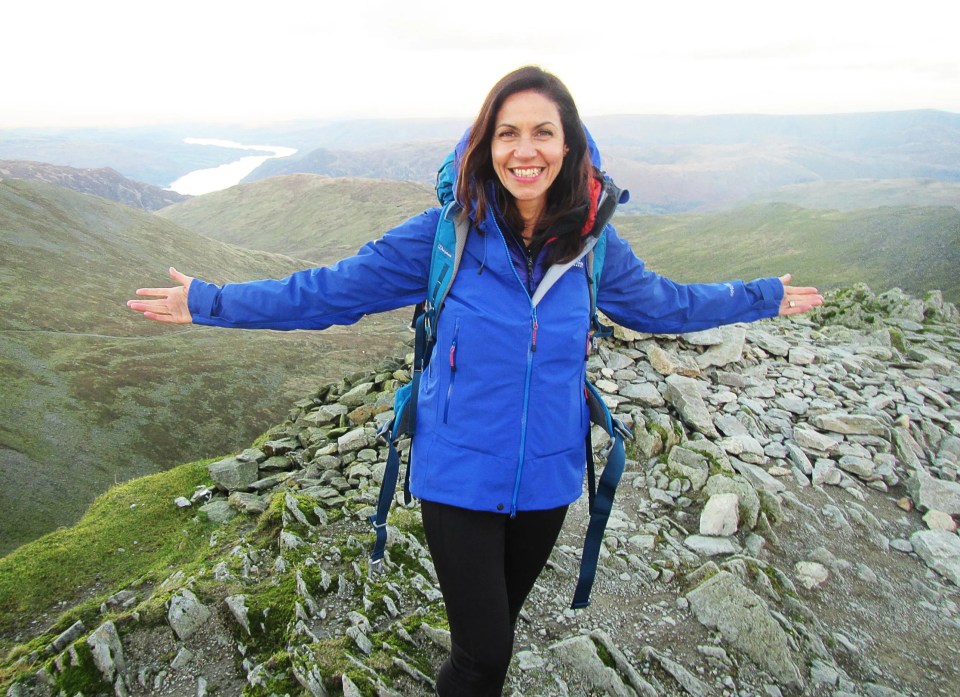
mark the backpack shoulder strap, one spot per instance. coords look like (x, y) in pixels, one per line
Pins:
(448, 245)
(600, 495)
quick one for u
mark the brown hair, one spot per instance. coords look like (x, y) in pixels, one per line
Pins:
(567, 196)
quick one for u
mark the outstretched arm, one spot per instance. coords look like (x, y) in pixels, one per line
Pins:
(167, 304)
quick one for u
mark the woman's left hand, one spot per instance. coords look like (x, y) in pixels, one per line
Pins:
(797, 299)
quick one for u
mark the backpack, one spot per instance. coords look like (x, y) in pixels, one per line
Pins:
(449, 242)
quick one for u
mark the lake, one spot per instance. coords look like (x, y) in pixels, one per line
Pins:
(203, 181)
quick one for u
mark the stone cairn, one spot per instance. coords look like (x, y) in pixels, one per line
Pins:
(787, 516)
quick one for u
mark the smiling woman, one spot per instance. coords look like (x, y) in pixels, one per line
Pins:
(498, 459)
(205, 181)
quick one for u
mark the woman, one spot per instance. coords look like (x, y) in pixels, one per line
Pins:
(501, 420)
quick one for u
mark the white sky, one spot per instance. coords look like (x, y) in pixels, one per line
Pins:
(126, 62)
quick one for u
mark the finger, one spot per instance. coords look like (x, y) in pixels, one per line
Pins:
(786, 278)
(156, 306)
(796, 305)
(159, 292)
(180, 278)
(158, 317)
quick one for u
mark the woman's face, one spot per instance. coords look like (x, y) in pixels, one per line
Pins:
(527, 149)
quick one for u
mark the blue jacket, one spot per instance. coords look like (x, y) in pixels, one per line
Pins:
(501, 419)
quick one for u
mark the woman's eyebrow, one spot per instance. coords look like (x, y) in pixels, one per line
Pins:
(539, 125)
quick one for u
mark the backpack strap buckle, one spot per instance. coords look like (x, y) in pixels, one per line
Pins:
(384, 432)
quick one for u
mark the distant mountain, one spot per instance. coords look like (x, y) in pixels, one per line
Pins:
(104, 182)
(94, 394)
(417, 162)
(306, 216)
(155, 155)
(669, 163)
(676, 164)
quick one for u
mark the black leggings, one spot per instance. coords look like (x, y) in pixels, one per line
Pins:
(487, 563)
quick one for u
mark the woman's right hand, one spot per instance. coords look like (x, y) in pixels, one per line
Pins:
(167, 304)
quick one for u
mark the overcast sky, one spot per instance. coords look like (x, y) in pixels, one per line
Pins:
(126, 62)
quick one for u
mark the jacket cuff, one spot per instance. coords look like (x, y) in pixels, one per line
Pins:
(771, 290)
(203, 300)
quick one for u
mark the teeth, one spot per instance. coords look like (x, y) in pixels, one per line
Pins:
(528, 172)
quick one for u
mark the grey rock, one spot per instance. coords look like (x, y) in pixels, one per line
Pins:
(848, 424)
(67, 637)
(712, 546)
(186, 614)
(707, 337)
(684, 394)
(237, 604)
(669, 363)
(357, 395)
(690, 683)
(930, 493)
(643, 393)
(107, 651)
(743, 618)
(814, 441)
(352, 441)
(773, 345)
(579, 654)
(218, 511)
(728, 351)
(940, 550)
(747, 496)
(233, 474)
(720, 515)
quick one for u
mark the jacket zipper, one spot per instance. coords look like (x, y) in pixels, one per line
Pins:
(529, 373)
(453, 369)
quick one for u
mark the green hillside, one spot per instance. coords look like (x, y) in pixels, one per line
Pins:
(92, 393)
(913, 248)
(306, 216)
(855, 194)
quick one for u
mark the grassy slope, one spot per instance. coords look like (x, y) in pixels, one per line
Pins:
(303, 215)
(92, 393)
(129, 532)
(916, 249)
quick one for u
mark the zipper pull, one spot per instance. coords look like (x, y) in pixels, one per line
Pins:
(533, 347)
(453, 352)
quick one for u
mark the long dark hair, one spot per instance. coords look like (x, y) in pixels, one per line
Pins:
(567, 198)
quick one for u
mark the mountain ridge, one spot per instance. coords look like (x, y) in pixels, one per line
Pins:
(671, 163)
(104, 182)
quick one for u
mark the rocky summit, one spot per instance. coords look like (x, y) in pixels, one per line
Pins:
(786, 526)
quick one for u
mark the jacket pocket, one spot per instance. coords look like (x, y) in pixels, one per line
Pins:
(452, 357)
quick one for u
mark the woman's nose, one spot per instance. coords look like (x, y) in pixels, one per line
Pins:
(525, 148)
